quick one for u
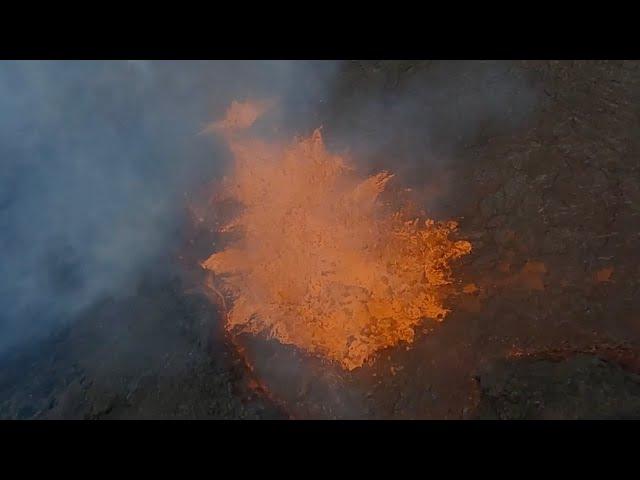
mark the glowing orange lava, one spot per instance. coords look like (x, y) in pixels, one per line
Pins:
(322, 262)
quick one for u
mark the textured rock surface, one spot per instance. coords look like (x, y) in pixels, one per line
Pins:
(156, 355)
(545, 191)
(539, 162)
(582, 387)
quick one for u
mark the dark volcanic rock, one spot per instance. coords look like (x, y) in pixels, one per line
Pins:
(548, 192)
(156, 355)
(581, 387)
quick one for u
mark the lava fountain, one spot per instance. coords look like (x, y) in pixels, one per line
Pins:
(320, 257)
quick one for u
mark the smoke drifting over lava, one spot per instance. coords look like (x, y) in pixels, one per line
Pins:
(324, 263)
(96, 158)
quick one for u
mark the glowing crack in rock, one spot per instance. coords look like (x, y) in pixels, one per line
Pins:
(322, 262)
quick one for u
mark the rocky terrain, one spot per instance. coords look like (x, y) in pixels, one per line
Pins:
(537, 160)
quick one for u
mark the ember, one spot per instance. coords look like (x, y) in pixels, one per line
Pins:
(322, 262)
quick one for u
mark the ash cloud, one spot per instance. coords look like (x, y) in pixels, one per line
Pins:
(95, 158)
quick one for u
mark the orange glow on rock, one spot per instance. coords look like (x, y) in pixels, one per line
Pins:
(321, 261)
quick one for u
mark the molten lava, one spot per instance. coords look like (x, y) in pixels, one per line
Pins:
(321, 261)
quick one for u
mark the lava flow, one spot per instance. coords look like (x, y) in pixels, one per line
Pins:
(321, 259)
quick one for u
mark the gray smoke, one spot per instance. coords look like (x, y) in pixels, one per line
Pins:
(95, 158)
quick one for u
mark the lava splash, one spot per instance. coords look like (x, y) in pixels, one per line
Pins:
(319, 258)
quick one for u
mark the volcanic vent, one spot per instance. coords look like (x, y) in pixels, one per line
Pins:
(337, 264)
